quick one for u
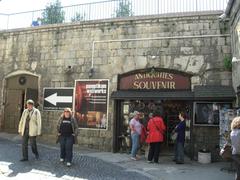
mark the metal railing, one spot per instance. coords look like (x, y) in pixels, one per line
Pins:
(111, 9)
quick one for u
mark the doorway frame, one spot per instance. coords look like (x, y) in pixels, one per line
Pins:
(4, 91)
(118, 116)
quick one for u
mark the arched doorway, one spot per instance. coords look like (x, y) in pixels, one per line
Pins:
(19, 87)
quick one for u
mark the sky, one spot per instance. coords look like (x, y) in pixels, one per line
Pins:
(13, 6)
(97, 11)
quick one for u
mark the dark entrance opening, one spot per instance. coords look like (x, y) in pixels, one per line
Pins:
(170, 108)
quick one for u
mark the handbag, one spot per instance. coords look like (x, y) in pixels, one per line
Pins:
(173, 135)
(226, 152)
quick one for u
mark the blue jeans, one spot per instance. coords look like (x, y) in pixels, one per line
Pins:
(66, 148)
(179, 152)
(135, 144)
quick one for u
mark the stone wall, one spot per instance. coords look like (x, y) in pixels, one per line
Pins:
(206, 138)
(194, 43)
(235, 32)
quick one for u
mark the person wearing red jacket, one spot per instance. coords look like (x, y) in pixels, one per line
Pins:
(156, 128)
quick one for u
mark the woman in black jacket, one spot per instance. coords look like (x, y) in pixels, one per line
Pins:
(179, 143)
(67, 129)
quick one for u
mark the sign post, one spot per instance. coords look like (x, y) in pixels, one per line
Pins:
(56, 99)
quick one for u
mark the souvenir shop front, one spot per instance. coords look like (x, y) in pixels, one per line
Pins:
(149, 89)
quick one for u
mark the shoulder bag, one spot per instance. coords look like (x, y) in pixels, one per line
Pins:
(157, 127)
(226, 152)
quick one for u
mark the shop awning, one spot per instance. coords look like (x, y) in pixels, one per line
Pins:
(214, 93)
(169, 95)
(200, 93)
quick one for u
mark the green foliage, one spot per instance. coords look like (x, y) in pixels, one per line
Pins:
(223, 26)
(53, 13)
(78, 17)
(124, 9)
(227, 63)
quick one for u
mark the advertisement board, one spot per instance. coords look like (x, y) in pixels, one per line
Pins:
(91, 103)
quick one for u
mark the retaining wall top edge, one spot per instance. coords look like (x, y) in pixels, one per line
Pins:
(117, 20)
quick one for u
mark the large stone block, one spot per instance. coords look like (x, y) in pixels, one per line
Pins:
(141, 62)
(221, 41)
(226, 49)
(186, 50)
(166, 61)
(195, 64)
(189, 63)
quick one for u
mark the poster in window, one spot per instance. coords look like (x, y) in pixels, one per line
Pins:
(208, 113)
(91, 102)
(205, 114)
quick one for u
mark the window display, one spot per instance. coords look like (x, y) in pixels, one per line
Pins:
(207, 113)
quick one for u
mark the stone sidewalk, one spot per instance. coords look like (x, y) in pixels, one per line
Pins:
(91, 164)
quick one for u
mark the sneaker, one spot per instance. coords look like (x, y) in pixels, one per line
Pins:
(61, 160)
(133, 158)
(149, 162)
(69, 164)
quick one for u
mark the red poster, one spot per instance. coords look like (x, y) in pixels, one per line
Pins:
(91, 101)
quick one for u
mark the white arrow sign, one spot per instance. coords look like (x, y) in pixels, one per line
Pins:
(54, 99)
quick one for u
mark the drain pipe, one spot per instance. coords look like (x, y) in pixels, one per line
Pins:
(227, 10)
(146, 39)
(229, 7)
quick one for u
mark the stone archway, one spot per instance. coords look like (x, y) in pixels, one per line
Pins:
(19, 86)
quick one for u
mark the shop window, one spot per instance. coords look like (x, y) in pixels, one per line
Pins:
(207, 113)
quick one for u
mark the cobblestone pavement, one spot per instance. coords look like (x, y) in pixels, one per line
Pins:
(91, 164)
(48, 166)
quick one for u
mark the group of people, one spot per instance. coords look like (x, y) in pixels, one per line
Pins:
(155, 136)
(67, 130)
(30, 127)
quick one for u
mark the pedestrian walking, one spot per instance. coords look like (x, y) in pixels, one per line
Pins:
(29, 128)
(235, 140)
(179, 142)
(136, 129)
(67, 129)
(156, 129)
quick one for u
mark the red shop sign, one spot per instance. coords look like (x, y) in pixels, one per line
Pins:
(155, 79)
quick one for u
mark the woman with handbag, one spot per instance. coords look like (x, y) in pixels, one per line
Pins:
(156, 128)
(179, 143)
(67, 129)
(235, 140)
